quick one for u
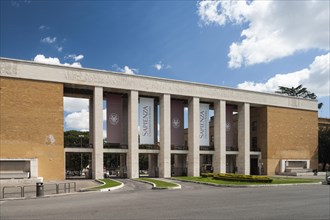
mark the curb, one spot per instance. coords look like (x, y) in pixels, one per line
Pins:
(105, 189)
(250, 186)
(159, 188)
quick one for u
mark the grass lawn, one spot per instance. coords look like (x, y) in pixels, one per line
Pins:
(159, 183)
(276, 180)
(108, 183)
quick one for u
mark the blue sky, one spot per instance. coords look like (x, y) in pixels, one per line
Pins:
(249, 45)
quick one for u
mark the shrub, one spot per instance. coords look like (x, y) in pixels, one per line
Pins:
(242, 178)
(207, 175)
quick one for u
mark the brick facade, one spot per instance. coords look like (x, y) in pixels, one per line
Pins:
(31, 117)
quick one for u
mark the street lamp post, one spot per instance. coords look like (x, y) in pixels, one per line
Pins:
(81, 137)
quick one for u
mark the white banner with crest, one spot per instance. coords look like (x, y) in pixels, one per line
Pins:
(147, 121)
(204, 125)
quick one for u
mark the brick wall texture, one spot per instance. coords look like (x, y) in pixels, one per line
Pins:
(291, 134)
(31, 124)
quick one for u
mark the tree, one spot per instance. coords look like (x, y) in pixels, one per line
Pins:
(298, 91)
(74, 138)
(324, 146)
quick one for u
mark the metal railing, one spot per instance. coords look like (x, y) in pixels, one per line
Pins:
(148, 147)
(206, 147)
(115, 146)
(78, 145)
(231, 148)
(30, 190)
(179, 147)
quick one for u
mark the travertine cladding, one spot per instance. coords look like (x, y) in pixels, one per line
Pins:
(31, 124)
(291, 134)
(53, 73)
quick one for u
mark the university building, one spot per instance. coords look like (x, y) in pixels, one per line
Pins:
(249, 132)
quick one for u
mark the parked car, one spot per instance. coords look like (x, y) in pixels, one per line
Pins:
(327, 177)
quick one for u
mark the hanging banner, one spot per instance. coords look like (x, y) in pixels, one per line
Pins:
(114, 118)
(204, 139)
(147, 121)
(177, 123)
(229, 126)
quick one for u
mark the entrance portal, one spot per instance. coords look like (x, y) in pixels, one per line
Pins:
(115, 165)
(78, 165)
(254, 166)
(179, 165)
(231, 164)
(206, 163)
(148, 165)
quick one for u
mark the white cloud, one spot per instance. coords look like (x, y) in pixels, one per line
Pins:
(77, 121)
(315, 78)
(104, 114)
(43, 27)
(59, 48)
(49, 40)
(160, 65)
(126, 69)
(75, 57)
(275, 29)
(75, 104)
(40, 58)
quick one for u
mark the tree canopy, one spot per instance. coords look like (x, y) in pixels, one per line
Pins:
(298, 91)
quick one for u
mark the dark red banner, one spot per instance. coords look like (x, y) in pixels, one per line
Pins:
(114, 118)
(177, 123)
(229, 126)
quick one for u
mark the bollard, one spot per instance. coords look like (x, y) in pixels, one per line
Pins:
(40, 189)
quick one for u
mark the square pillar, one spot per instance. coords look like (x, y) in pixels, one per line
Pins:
(243, 159)
(97, 168)
(91, 120)
(219, 160)
(133, 145)
(165, 136)
(193, 137)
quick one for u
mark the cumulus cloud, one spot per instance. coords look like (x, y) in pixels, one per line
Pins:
(316, 78)
(40, 58)
(77, 121)
(75, 57)
(75, 104)
(160, 65)
(275, 29)
(125, 69)
(48, 40)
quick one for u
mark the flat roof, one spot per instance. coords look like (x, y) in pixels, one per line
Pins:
(146, 84)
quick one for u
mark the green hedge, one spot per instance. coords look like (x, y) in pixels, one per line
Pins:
(242, 178)
(207, 175)
(238, 177)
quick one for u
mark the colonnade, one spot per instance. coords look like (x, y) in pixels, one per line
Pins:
(164, 158)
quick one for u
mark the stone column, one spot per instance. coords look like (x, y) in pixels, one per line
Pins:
(91, 121)
(165, 137)
(243, 159)
(193, 137)
(219, 160)
(133, 145)
(97, 168)
(152, 165)
(122, 165)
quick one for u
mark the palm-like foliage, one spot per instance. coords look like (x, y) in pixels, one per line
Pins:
(298, 91)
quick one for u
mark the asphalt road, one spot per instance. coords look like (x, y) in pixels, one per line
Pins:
(193, 201)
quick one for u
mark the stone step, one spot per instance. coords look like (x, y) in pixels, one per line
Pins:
(298, 170)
